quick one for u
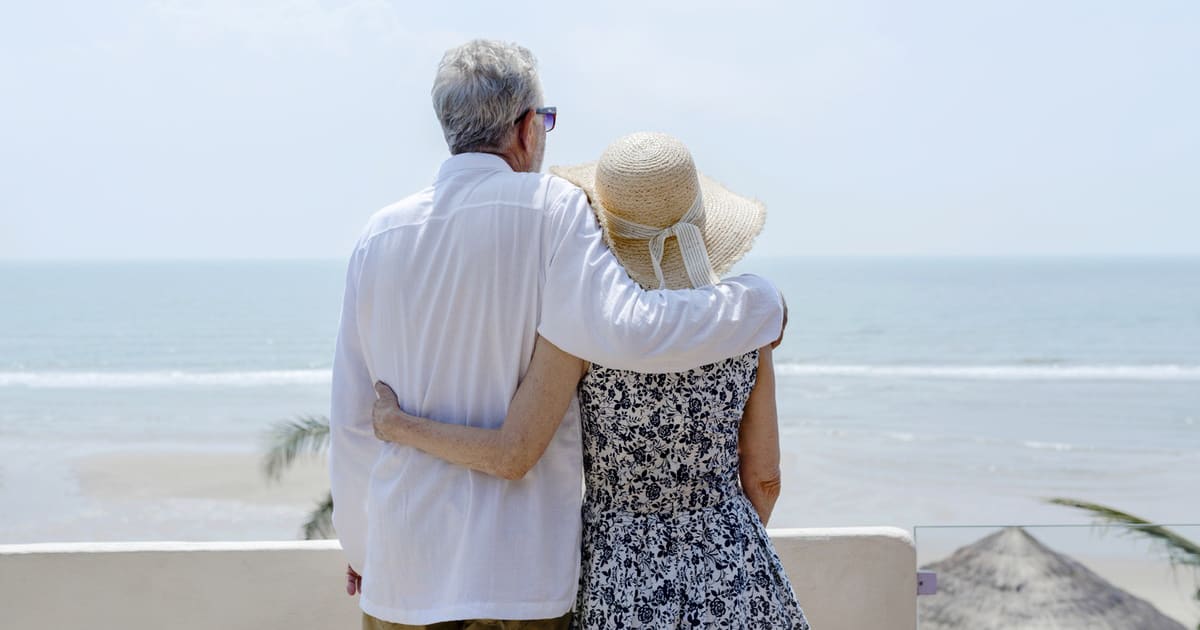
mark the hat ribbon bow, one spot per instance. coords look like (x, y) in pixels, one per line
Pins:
(691, 243)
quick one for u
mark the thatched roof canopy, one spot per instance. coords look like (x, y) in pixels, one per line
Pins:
(1010, 580)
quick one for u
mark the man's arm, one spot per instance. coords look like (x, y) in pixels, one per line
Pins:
(353, 447)
(592, 309)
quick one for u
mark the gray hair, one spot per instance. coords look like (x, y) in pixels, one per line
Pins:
(481, 88)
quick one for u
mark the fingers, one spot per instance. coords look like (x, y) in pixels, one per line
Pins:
(385, 393)
(782, 329)
(381, 413)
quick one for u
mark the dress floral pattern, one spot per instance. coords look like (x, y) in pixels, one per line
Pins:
(669, 539)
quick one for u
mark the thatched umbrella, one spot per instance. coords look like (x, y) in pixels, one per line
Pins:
(1010, 580)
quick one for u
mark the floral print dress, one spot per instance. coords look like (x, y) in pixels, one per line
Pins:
(669, 539)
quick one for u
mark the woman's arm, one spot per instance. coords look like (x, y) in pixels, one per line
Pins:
(534, 414)
(758, 441)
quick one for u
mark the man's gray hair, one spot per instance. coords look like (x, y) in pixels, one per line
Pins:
(481, 89)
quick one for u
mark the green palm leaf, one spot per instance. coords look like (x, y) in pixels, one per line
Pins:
(320, 520)
(286, 442)
(1180, 550)
(289, 439)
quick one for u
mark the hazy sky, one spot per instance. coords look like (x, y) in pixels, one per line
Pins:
(273, 128)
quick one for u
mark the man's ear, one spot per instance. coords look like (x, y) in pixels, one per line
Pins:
(526, 138)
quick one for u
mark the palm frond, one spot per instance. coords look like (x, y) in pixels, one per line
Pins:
(1179, 550)
(320, 520)
(289, 439)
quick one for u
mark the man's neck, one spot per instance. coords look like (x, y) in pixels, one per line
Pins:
(512, 161)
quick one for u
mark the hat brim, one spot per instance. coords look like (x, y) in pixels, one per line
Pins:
(731, 223)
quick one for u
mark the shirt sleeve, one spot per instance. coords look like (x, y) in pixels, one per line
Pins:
(592, 309)
(353, 447)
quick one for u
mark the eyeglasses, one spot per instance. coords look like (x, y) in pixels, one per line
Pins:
(549, 114)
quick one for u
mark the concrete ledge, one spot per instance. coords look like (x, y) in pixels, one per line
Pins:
(847, 579)
(852, 578)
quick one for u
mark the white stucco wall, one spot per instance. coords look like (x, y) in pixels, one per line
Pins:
(852, 578)
(847, 579)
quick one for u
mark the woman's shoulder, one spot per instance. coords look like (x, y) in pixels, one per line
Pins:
(740, 363)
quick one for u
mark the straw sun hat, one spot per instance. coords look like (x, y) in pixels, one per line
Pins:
(670, 226)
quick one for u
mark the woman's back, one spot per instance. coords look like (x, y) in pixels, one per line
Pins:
(669, 539)
(664, 443)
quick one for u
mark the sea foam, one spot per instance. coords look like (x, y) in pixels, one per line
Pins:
(1000, 372)
(275, 378)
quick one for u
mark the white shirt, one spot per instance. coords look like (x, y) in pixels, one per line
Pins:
(446, 293)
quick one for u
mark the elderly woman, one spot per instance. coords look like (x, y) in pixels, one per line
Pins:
(681, 469)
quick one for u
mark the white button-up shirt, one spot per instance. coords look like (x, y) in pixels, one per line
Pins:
(446, 293)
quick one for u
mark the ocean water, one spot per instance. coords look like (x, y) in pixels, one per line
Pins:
(911, 391)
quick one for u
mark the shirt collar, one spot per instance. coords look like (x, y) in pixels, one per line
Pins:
(472, 161)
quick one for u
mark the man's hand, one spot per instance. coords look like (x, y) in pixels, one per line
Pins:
(353, 581)
(783, 329)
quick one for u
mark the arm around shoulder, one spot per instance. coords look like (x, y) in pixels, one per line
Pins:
(594, 310)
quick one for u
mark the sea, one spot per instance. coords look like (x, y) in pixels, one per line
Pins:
(912, 392)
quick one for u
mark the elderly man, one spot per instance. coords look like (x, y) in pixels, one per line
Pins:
(446, 292)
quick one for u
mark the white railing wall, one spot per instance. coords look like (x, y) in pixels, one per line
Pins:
(847, 579)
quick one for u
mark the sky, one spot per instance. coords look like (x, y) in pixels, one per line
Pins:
(273, 128)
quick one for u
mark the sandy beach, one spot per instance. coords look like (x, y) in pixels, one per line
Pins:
(143, 495)
(232, 477)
